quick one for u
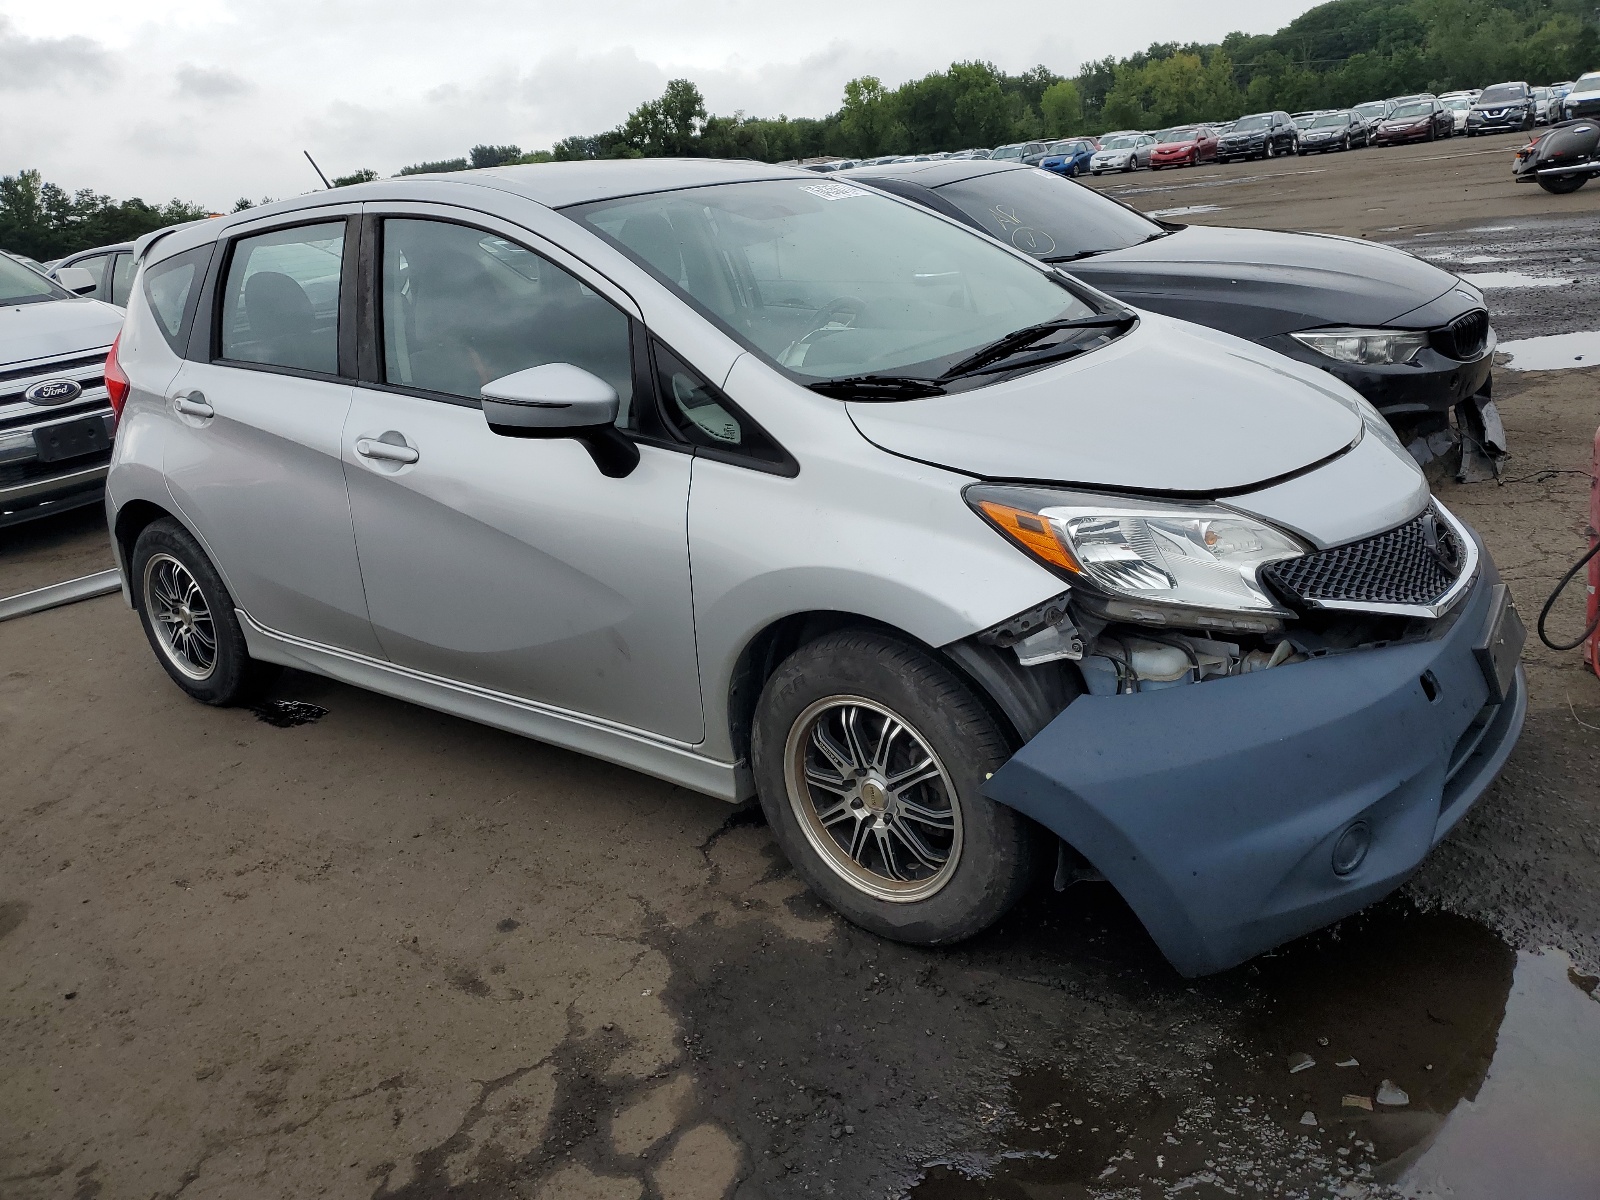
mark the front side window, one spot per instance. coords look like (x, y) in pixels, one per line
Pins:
(831, 281)
(1059, 222)
(280, 301)
(463, 307)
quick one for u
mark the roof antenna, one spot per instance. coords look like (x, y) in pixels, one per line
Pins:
(317, 169)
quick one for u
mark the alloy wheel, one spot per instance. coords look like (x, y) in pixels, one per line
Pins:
(180, 616)
(873, 798)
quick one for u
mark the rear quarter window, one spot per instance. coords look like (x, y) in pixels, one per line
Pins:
(172, 288)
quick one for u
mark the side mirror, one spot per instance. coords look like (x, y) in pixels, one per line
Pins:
(559, 400)
(80, 281)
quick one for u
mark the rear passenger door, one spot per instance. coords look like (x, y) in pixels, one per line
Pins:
(513, 564)
(254, 456)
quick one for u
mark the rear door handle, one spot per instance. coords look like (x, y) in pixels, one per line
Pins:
(385, 451)
(193, 404)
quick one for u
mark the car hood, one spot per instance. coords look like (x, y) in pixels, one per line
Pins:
(52, 328)
(1257, 283)
(1170, 407)
(1176, 147)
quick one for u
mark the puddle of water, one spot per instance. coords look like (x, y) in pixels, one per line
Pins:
(1435, 1004)
(286, 714)
(1557, 352)
(1513, 279)
(1190, 211)
(1477, 259)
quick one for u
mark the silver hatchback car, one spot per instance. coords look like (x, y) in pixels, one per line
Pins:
(773, 485)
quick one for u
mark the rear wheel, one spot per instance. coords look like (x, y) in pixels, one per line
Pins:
(189, 618)
(1562, 185)
(869, 759)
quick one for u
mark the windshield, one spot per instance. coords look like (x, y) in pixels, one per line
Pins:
(1007, 152)
(1034, 212)
(1374, 109)
(1186, 134)
(1332, 119)
(1249, 124)
(832, 281)
(23, 285)
(1587, 83)
(1119, 143)
(1406, 111)
(1501, 93)
(1457, 103)
(1068, 147)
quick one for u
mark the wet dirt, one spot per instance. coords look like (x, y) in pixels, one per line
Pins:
(288, 714)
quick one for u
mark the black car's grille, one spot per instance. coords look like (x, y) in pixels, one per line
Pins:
(1398, 567)
(1465, 337)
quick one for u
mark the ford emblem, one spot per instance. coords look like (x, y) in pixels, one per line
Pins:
(53, 391)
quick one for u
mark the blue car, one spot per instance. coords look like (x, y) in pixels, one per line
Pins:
(1069, 157)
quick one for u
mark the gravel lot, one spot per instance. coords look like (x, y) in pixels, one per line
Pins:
(391, 954)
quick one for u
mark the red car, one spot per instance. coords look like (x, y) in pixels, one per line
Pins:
(1417, 121)
(1185, 146)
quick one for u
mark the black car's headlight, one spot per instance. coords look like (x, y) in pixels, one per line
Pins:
(1147, 561)
(1365, 347)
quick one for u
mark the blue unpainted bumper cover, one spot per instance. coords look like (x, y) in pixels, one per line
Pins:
(1214, 808)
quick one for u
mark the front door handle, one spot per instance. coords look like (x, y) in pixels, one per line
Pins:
(193, 404)
(385, 451)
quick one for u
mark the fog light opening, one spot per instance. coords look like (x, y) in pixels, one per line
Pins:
(1430, 687)
(1351, 849)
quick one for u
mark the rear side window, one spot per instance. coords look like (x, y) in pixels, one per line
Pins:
(173, 289)
(280, 301)
(462, 307)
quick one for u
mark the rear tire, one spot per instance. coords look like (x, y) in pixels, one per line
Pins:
(1563, 185)
(840, 722)
(189, 618)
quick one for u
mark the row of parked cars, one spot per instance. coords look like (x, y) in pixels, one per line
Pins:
(1502, 108)
(976, 524)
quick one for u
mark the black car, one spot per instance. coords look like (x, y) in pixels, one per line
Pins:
(1260, 135)
(1413, 339)
(1503, 108)
(1338, 130)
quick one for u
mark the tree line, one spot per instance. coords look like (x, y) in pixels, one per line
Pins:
(1335, 55)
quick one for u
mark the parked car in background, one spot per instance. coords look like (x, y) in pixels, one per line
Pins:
(1372, 114)
(1413, 339)
(1584, 98)
(1017, 151)
(1459, 104)
(1416, 121)
(1338, 130)
(1558, 97)
(1122, 152)
(1070, 157)
(785, 555)
(32, 264)
(1260, 135)
(1184, 146)
(112, 268)
(1303, 119)
(1542, 111)
(1502, 108)
(56, 423)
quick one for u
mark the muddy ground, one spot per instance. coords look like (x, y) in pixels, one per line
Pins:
(390, 954)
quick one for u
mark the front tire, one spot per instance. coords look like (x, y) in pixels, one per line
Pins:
(189, 618)
(869, 760)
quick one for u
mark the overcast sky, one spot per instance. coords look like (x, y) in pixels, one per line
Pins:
(208, 100)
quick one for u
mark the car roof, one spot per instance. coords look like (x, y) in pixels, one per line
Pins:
(112, 249)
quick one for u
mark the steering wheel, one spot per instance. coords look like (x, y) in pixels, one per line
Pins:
(854, 305)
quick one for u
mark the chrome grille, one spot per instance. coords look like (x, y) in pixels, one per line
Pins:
(1397, 567)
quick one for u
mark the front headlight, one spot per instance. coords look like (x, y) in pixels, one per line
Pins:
(1157, 563)
(1365, 347)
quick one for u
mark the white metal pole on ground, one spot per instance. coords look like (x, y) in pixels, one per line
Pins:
(58, 594)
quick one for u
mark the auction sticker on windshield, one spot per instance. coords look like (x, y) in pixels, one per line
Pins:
(832, 191)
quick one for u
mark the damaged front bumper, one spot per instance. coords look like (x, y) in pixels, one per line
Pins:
(1219, 810)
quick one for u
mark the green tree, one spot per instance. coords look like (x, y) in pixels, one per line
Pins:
(1062, 108)
(493, 156)
(365, 175)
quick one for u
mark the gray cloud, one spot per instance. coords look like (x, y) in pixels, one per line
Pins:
(210, 83)
(30, 64)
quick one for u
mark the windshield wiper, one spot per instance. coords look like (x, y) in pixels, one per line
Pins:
(878, 387)
(1021, 339)
(1061, 258)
